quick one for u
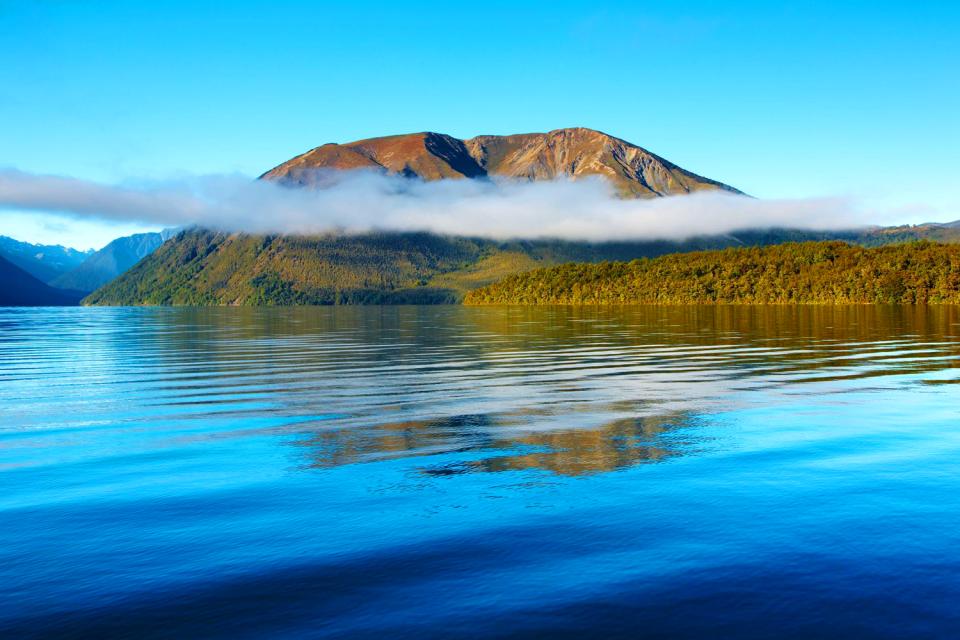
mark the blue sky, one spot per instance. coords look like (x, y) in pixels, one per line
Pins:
(811, 99)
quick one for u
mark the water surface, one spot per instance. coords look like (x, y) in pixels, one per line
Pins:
(480, 472)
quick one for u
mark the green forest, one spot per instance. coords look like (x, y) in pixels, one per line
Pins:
(921, 272)
(205, 267)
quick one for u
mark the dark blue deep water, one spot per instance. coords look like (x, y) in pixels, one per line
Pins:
(449, 472)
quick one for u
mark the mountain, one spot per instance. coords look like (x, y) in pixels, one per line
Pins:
(112, 260)
(44, 262)
(578, 152)
(18, 289)
(203, 267)
(792, 273)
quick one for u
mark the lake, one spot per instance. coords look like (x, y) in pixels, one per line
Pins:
(451, 472)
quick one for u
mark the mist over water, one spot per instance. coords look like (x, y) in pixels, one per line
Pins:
(468, 472)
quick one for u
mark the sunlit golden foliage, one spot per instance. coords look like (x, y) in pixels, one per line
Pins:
(806, 273)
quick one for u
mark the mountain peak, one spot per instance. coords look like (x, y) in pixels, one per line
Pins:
(578, 131)
(572, 152)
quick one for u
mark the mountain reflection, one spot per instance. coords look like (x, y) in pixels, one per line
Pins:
(610, 446)
(615, 445)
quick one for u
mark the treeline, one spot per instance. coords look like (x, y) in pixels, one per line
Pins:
(794, 273)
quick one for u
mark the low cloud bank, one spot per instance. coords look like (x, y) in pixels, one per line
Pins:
(361, 201)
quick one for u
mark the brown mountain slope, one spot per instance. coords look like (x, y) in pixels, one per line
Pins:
(634, 172)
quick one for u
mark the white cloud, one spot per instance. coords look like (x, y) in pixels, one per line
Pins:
(360, 201)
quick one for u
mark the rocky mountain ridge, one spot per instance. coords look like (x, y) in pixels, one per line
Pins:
(574, 153)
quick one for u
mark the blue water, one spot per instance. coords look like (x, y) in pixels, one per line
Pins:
(448, 472)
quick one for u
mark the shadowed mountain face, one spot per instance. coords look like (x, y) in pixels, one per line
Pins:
(111, 261)
(575, 153)
(20, 289)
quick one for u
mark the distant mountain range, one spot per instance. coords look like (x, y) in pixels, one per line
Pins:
(18, 288)
(59, 285)
(576, 152)
(111, 261)
(44, 262)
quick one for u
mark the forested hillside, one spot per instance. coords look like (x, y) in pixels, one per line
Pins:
(201, 267)
(806, 273)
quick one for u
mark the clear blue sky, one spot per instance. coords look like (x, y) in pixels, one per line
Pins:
(810, 99)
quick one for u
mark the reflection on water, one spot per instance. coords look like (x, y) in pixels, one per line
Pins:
(251, 459)
(604, 447)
